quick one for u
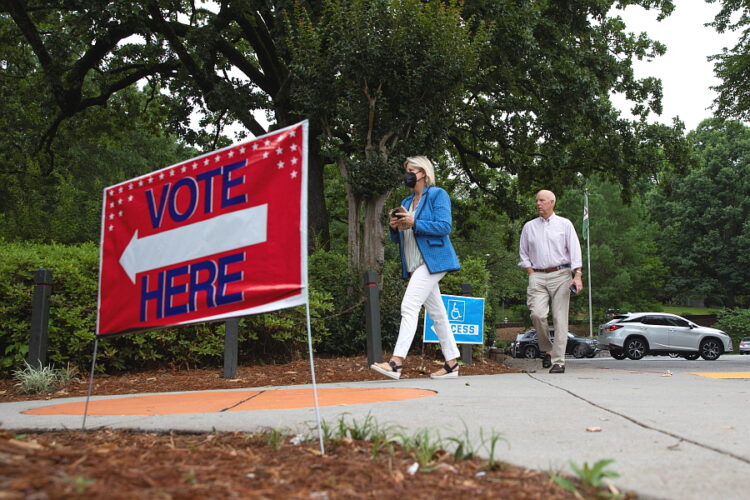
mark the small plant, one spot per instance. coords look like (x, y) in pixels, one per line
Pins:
(491, 445)
(591, 477)
(465, 449)
(274, 438)
(43, 380)
(190, 477)
(79, 483)
(422, 446)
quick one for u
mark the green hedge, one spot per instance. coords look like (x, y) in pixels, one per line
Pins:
(336, 307)
(736, 323)
(263, 338)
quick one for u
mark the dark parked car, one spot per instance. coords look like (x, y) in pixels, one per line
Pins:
(526, 345)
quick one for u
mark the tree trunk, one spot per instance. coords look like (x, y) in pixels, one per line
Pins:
(373, 249)
(318, 231)
(354, 236)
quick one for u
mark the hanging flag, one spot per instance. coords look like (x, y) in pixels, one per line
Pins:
(585, 229)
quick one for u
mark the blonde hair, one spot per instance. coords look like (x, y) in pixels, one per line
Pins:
(423, 163)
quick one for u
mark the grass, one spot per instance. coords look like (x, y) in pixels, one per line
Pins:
(687, 311)
(43, 380)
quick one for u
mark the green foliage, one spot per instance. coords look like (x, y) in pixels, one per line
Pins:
(735, 322)
(703, 217)
(101, 147)
(591, 477)
(423, 445)
(731, 64)
(269, 337)
(626, 270)
(542, 112)
(43, 379)
(345, 321)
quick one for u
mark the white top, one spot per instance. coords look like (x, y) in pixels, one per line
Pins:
(412, 255)
(549, 243)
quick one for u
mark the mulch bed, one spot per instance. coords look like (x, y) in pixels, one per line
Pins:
(118, 464)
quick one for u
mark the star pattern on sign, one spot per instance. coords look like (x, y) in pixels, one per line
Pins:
(282, 145)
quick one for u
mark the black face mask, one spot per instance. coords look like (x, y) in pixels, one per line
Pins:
(410, 179)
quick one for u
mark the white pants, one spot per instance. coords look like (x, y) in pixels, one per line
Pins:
(423, 289)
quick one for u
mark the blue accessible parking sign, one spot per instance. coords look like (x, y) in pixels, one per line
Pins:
(466, 318)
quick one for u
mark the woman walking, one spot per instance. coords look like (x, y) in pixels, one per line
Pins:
(422, 230)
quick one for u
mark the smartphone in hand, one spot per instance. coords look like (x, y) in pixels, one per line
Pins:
(396, 213)
(573, 288)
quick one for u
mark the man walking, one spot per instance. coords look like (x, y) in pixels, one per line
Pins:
(549, 253)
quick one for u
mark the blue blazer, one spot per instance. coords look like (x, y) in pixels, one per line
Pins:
(432, 225)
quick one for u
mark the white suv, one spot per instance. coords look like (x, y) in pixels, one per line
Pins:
(636, 334)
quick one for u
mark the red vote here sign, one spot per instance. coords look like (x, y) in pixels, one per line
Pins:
(217, 236)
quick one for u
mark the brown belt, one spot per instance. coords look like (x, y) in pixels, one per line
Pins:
(552, 269)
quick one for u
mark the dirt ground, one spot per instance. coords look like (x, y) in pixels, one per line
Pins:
(136, 465)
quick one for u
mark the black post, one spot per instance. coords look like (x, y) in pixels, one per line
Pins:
(40, 318)
(466, 348)
(372, 318)
(231, 335)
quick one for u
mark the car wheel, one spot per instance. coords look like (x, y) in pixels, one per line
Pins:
(635, 348)
(674, 355)
(617, 354)
(530, 352)
(591, 354)
(692, 356)
(710, 349)
(579, 351)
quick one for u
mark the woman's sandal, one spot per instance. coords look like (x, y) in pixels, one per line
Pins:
(393, 371)
(450, 371)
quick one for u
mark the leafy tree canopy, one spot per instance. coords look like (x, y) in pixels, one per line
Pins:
(703, 216)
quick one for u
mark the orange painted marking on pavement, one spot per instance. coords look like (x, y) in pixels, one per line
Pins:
(722, 374)
(210, 402)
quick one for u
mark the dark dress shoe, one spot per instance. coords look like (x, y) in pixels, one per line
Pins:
(557, 368)
(546, 361)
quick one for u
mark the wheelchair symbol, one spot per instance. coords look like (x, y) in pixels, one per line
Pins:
(456, 310)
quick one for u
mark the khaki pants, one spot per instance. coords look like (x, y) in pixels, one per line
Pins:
(543, 288)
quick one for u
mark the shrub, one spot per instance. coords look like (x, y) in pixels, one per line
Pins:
(268, 337)
(735, 322)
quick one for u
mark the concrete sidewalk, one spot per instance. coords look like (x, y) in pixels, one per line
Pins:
(672, 435)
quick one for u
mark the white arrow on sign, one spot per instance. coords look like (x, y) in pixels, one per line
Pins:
(220, 234)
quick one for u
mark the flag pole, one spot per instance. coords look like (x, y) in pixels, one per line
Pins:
(588, 254)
